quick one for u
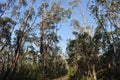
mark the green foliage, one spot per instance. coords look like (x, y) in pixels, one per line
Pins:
(34, 71)
(29, 40)
(84, 51)
(27, 72)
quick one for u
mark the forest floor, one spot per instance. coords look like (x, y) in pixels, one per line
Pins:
(63, 78)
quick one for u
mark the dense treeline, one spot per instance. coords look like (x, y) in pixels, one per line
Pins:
(29, 40)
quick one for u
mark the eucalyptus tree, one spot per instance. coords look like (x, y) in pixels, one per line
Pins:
(17, 28)
(106, 12)
(51, 16)
(84, 49)
(23, 13)
(6, 27)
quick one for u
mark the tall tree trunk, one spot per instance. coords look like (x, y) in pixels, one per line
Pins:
(42, 48)
(89, 70)
(94, 72)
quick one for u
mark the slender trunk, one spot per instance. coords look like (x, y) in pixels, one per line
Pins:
(89, 71)
(41, 44)
(94, 72)
(3, 68)
(76, 69)
(42, 48)
(48, 46)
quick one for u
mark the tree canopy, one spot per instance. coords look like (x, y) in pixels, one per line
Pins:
(30, 40)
